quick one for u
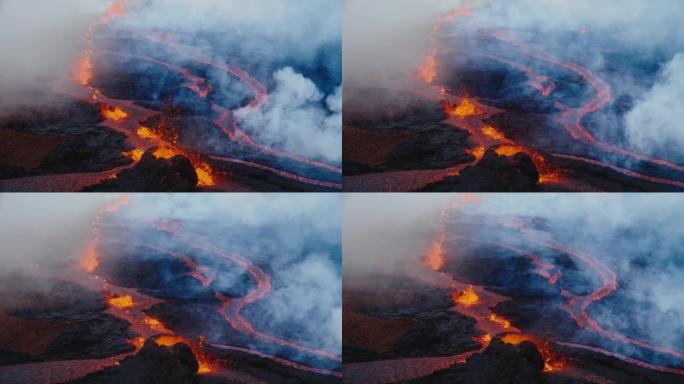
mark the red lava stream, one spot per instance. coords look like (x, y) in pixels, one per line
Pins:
(571, 118)
(125, 116)
(130, 305)
(232, 307)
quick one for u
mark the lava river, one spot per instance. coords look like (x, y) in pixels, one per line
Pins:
(471, 114)
(132, 306)
(127, 117)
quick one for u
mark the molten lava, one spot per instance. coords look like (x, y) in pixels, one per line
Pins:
(118, 8)
(465, 108)
(428, 70)
(551, 362)
(136, 154)
(125, 301)
(492, 132)
(154, 324)
(505, 324)
(169, 340)
(467, 297)
(113, 113)
(547, 172)
(478, 152)
(83, 72)
(434, 258)
(89, 260)
(205, 174)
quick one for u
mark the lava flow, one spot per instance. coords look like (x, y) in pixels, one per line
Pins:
(214, 168)
(136, 308)
(475, 301)
(478, 99)
(232, 307)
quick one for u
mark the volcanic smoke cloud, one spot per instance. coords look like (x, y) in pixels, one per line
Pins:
(243, 95)
(582, 276)
(590, 91)
(248, 284)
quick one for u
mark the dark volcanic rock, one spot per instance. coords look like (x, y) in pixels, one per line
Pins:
(383, 111)
(499, 364)
(269, 371)
(493, 173)
(434, 146)
(152, 365)
(64, 138)
(439, 334)
(83, 329)
(101, 335)
(152, 175)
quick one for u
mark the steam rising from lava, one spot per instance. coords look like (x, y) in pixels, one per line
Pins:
(39, 41)
(36, 230)
(655, 122)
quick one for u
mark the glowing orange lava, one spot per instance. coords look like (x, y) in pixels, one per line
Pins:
(205, 175)
(147, 133)
(486, 339)
(465, 108)
(500, 320)
(89, 260)
(204, 367)
(467, 297)
(171, 340)
(116, 9)
(154, 324)
(168, 340)
(492, 132)
(551, 362)
(547, 172)
(136, 154)
(434, 258)
(478, 152)
(113, 113)
(428, 70)
(455, 13)
(125, 301)
(83, 71)
(138, 342)
(516, 338)
(117, 204)
(165, 153)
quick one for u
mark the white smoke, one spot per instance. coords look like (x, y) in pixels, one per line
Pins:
(297, 118)
(655, 122)
(45, 228)
(296, 238)
(40, 41)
